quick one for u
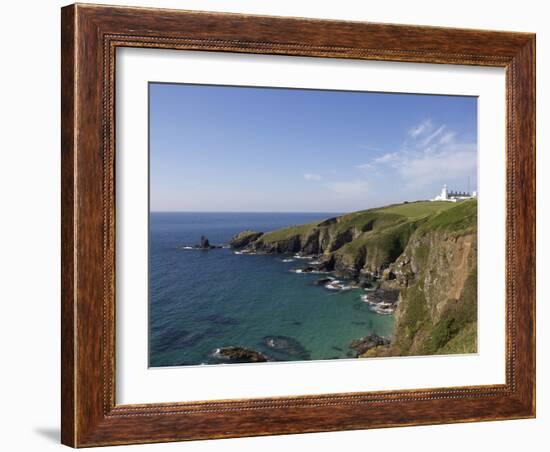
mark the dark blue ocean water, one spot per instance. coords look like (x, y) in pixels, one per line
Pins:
(203, 300)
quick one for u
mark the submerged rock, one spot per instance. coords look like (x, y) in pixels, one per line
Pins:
(236, 354)
(364, 344)
(322, 281)
(309, 269)
(382, 301)
(287, 346)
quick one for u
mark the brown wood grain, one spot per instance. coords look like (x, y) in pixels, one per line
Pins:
(67, 225)
(90, 36)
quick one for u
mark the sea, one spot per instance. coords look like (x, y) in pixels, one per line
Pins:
(202, 300)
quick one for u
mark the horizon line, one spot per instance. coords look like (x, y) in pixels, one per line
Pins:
(291, 211)
(244, 211)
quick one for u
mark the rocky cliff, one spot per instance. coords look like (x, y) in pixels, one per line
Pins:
(427, 251)
(437, 278)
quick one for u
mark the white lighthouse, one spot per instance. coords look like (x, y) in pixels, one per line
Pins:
(453, 196)
(443, 196)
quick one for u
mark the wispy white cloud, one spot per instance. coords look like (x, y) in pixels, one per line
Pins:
(313, 177)
(452, 162)
(447, 138)
(387, 158)
(365, 166)
(431, 153)
(422, 128)
(431, 136)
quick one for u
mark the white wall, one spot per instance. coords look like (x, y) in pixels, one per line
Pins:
(29, 230)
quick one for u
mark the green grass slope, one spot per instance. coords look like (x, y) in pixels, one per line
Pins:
(364, 220)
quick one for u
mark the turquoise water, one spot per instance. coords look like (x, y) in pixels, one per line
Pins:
(203, 300)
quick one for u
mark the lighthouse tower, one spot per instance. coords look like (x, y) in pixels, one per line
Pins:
(444, 195)
(453, 196)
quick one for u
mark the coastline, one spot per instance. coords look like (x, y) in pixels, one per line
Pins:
(417, 259)
(375, 280)
(201, 300)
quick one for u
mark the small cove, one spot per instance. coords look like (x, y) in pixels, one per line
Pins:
(202, 300)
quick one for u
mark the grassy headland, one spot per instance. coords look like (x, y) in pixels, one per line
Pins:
(425, 250)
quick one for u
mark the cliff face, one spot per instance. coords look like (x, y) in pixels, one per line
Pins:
(437, 280)
(437, 309)
(425, 250)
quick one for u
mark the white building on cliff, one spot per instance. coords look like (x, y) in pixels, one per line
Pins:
(454, 196)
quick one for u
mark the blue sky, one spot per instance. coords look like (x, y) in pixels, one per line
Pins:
(215, 148)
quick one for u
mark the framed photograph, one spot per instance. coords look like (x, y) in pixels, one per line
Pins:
(280, 225)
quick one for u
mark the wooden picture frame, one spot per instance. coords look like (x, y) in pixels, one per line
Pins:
(90, 36)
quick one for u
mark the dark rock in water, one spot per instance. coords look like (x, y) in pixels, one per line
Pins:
(381, 301)
(322, 281)
(365, 343)
(297, 323)
(205, 244)
(286, 345)
(308, 269)
(384, 296)
(387, 295)
(338, 349)
(235, 354)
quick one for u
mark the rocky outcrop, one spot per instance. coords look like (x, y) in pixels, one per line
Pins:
(364, 344)
(235, 354)
(242, 239)
(205, 243)
(322, 281)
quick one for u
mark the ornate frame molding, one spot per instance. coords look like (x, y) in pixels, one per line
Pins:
(90, 36)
